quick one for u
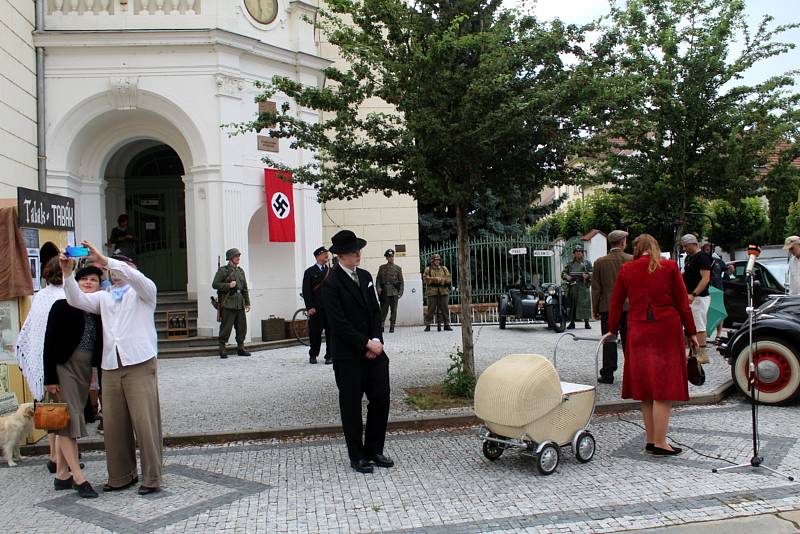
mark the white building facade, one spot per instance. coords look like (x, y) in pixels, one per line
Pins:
(138, 93)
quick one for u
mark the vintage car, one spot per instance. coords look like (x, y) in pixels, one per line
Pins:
(776, 340)
(769, 278)
(545, 304)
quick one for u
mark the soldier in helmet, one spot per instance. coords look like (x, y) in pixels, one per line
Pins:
(437, 280)
(389, 283)
(578, 273)
(234, 302)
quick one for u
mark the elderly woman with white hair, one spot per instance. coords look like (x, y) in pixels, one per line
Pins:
(792, 245)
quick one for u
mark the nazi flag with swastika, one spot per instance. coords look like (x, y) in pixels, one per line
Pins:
(280, 205)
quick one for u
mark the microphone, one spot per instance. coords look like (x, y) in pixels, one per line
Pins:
(753, 252)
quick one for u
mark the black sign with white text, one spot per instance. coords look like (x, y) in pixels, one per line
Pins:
(43, 210)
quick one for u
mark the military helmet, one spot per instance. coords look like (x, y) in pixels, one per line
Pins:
(578, 248)
(232, 253)
(389, 252)
(436, 257)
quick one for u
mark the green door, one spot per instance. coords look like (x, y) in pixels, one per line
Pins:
(156, 209)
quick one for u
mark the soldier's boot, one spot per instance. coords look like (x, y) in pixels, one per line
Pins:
(391, 328)
(241, 351)
(438, 327)
(587, 325)
(222, 351)
(571, 325)
(447, 328)
(427, 328)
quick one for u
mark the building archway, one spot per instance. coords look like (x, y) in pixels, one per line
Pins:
(145, 181)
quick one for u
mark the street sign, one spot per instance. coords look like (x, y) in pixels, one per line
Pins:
(518, 251)
(43, 210)
(543, 253)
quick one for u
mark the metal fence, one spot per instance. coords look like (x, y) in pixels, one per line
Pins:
(499, 262)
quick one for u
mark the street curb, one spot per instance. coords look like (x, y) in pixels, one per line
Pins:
(211, 351)
(414, 423)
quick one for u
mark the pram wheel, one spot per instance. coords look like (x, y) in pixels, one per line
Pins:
(547, 459)
(492, 450)
(584, 447)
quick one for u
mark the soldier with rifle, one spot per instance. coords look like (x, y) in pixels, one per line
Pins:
(437, 280)
(578, 274)
(390, 288)
(234, 302)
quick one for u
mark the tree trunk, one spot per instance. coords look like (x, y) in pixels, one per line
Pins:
(465, 291)
(679, 229)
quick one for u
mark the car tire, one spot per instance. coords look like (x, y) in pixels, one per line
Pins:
(779, 364)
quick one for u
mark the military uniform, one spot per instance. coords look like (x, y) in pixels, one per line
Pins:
(579, 294)
(312, 297)
(390, 286)
(437, 281)
(232, 303)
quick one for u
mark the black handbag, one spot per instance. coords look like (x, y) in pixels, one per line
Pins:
(695, 371)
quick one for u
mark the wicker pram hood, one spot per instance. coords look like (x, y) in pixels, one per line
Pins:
(517, 390)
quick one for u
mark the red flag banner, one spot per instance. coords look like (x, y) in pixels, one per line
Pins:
(280, 206)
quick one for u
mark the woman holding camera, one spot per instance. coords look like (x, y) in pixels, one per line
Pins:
(655, 357)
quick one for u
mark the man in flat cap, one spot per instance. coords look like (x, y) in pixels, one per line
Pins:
(603, 279)
(312, 295)
(234, 302)
(792, 245)
(697, 277)
(355, 343)
(390, 288)
(578, 273)
(437, 280)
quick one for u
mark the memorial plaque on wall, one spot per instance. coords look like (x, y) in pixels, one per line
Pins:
(267, 106)
(268, 144)
(43, 210)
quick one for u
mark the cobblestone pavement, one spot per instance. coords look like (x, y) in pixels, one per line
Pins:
(441, 483)
(278, 388)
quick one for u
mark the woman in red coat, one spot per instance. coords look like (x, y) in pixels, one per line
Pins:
(655, 355)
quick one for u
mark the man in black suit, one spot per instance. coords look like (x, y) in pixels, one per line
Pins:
(355, 342)
(312, 295)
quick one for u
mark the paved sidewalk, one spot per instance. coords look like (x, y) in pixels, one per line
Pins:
(278, 388)
(441, 484)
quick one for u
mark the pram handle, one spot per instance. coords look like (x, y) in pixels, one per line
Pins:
(607, 338)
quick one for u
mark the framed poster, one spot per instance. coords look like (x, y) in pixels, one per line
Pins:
(9, 328)
(36, 268)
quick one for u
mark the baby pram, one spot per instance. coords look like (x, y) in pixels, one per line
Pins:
(525, 406)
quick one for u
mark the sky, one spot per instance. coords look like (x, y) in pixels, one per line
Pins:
(784, 12)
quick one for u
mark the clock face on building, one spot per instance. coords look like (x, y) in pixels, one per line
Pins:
(263, 11)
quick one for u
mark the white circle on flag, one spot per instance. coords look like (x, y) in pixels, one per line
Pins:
(280, 206)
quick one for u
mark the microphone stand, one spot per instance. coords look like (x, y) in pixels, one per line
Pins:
(756, 460)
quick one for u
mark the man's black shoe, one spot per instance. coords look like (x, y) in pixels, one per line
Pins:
(362, 466)
(391, 329)
(242, 352)
(312, 359)
(223, 355)
(381, 460)
(427, 328)
(447, 328)
(587, 325)
(328, 361)
(144, 490)
(605, 380)
(438, 328)
(570, 326)
(109, 487)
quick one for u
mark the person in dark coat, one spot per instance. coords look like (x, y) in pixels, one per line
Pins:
(312, 295)
(355, 343)
(655, 358)
(73, 346)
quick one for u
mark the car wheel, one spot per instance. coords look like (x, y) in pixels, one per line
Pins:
(778, 365)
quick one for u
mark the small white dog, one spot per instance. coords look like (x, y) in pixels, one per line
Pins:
(12, 429)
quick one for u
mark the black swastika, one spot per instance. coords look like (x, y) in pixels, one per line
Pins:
(280, 204)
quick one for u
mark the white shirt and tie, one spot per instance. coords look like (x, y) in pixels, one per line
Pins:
(128, 325)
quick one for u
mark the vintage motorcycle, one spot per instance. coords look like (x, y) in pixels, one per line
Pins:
(547, 304)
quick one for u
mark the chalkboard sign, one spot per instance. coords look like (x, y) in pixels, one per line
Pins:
(43, 210)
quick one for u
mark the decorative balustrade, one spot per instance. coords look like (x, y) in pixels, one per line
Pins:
(123, 7)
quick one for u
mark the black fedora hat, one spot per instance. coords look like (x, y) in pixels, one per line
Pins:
(346, 241)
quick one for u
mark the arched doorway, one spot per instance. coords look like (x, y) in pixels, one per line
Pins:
(149, 178)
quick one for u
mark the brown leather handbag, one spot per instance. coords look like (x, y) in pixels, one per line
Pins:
(51, 416)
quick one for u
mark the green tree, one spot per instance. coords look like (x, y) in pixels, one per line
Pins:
(685, 128)
(485, 102)
(735, 224)
(781, 187)
(793, 218)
